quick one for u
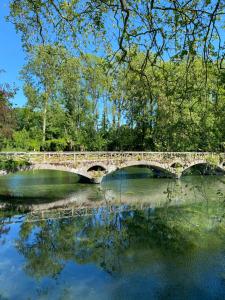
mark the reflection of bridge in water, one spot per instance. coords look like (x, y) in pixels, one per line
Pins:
(166, 194)
(94, 166)
(67, 213)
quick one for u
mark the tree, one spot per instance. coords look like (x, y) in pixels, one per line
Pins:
(78, 103)
(7, 122)
(41, 75)
(159, 28)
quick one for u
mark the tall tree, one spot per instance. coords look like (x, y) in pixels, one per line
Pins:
(41, 75)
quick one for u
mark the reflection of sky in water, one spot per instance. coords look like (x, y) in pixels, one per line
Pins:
(167, 252)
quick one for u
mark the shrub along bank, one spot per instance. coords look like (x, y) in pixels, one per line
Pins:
(13, 165)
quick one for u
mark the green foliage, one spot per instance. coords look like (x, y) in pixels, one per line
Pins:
(158, 95)
(213, 160)
(11, 165)
(22, 141)
(77, 103)
(175, 29)
(7, 122)
(54, 145)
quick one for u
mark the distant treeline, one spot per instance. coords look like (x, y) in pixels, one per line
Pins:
(76, 103)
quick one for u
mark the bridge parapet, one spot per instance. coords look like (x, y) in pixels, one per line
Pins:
(95, 165)
(106, 155)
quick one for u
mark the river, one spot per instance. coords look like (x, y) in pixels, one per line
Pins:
(134, 236)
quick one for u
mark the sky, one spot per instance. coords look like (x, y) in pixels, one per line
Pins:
(12, 57)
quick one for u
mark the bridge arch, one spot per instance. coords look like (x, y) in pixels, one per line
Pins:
(153, 164)
(201, 162)
(84, 176)
(96, 167)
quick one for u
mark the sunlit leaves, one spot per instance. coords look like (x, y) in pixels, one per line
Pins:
(156, 26)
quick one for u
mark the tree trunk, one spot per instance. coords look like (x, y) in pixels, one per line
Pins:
(44, 120)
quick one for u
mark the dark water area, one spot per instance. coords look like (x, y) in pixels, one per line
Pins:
(133, 236)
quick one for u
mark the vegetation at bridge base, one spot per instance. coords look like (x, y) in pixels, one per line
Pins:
(13, 165)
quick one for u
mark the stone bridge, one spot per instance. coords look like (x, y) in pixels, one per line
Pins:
(94, 166)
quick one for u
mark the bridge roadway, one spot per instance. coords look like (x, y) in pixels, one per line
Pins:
(94, 166)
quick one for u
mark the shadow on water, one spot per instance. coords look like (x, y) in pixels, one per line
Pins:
(137, 172)
(38, 185)
(203, 169)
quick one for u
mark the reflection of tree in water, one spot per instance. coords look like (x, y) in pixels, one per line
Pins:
(4, 227)
(108, 239)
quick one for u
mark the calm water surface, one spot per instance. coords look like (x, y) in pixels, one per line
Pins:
(133, 237)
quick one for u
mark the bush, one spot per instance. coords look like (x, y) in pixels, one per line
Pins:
(54, 145)
(22, 140)
(11, 165)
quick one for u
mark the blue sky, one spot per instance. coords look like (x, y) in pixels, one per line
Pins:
(12, 56)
